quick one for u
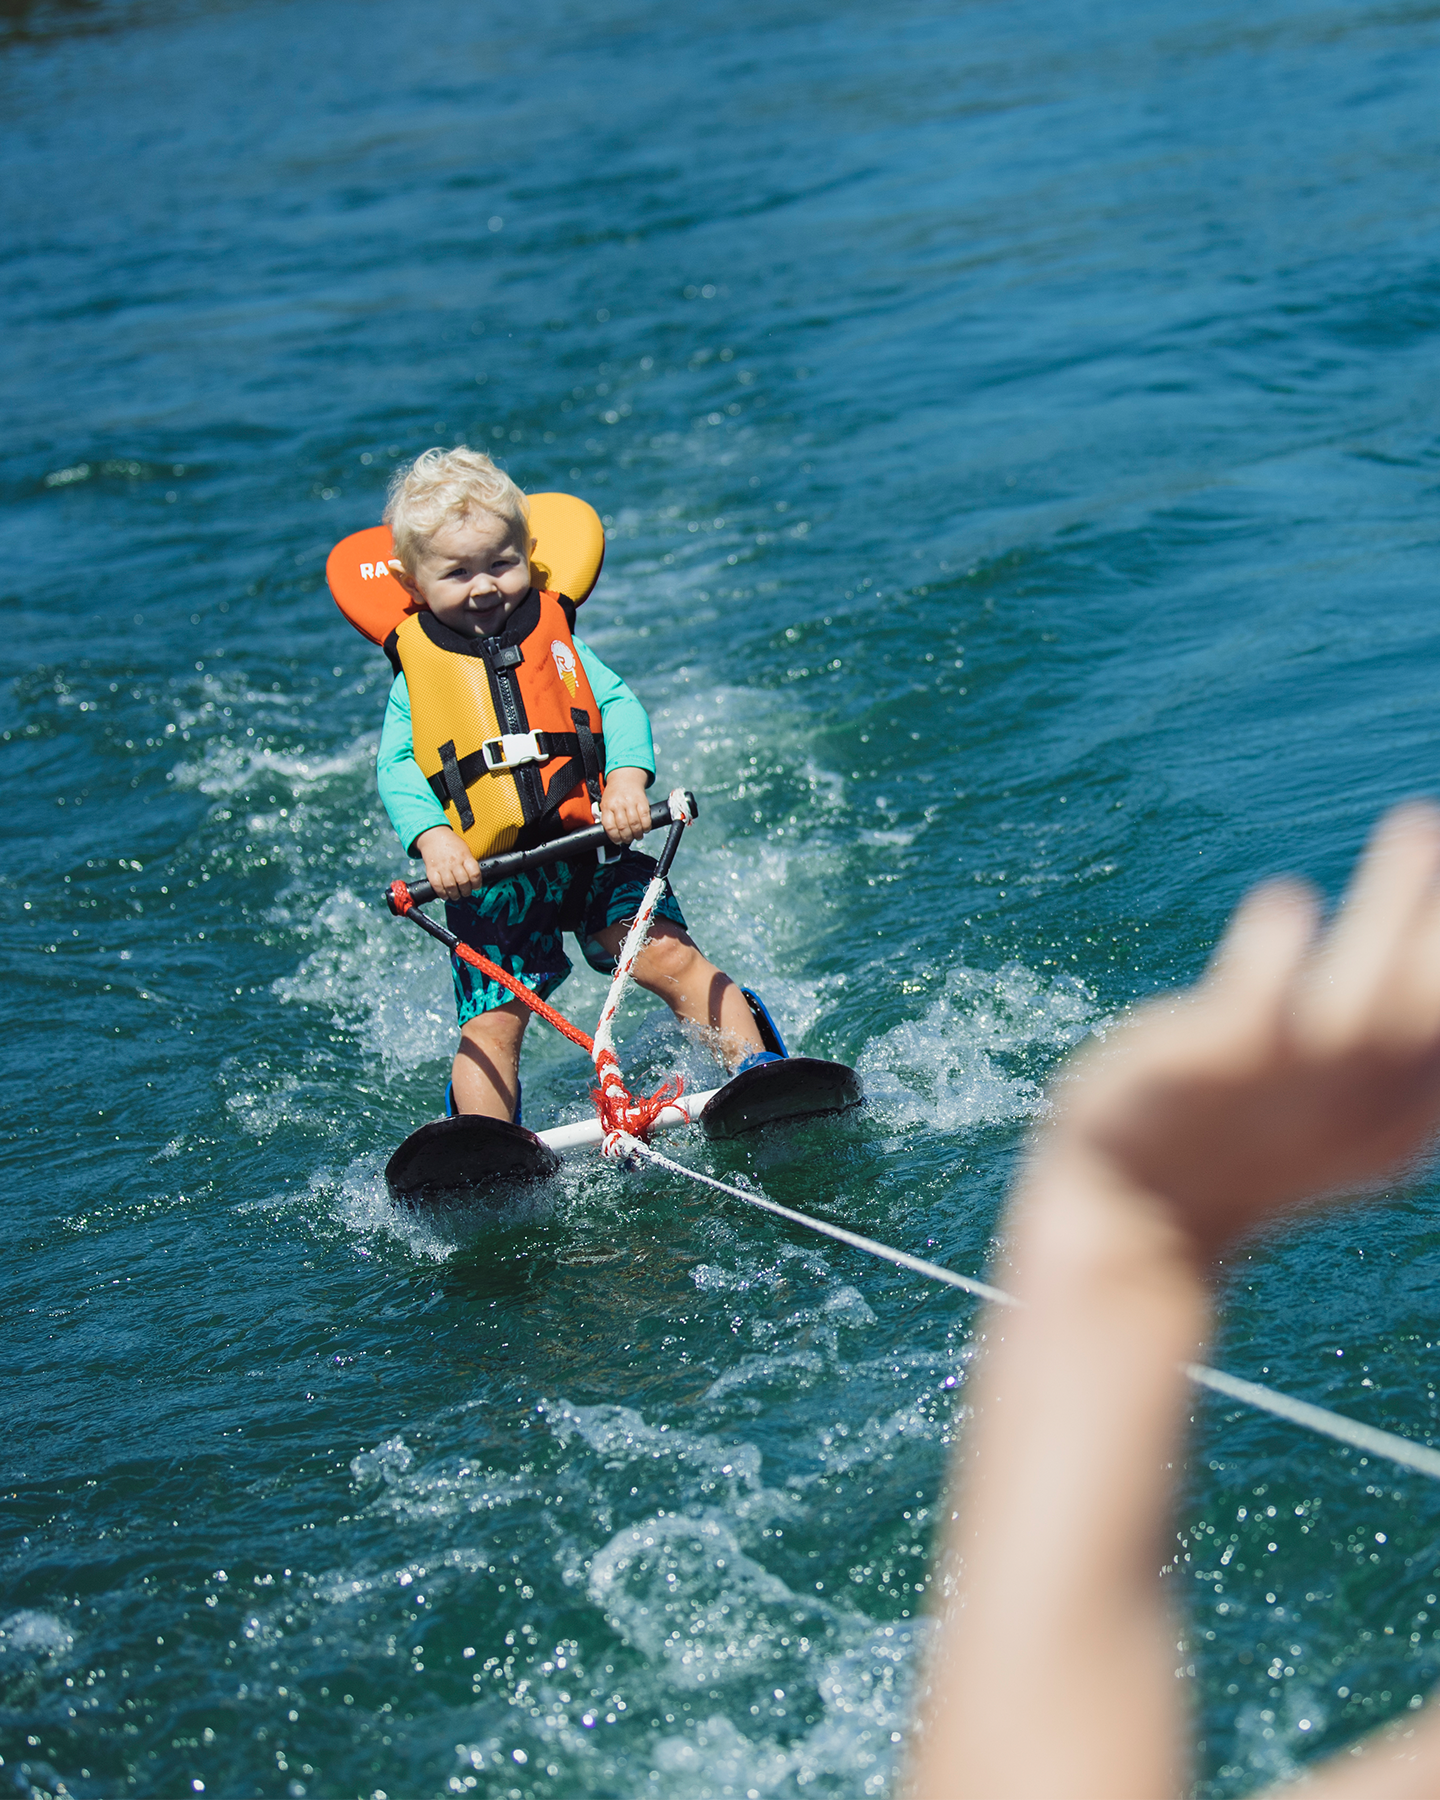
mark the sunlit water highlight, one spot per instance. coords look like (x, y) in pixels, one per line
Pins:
(1015, 429)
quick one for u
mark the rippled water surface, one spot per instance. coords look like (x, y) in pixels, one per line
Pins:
(1016, 426)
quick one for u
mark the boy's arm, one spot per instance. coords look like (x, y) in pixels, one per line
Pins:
(416, 814)
(626, 724)
(404, 791)
(629, 750)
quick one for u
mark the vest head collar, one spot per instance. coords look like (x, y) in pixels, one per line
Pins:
(567, 558)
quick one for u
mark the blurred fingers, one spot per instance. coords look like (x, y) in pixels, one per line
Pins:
(1404, 1012)
(1383, 951)
(1266, 942)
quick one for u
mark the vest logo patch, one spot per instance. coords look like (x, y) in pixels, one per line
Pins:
(565, 665)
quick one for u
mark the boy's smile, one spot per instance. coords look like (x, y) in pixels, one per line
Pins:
(473, 573)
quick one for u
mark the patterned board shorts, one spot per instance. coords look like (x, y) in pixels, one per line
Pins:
(519, 923)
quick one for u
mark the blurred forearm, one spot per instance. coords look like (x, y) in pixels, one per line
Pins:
(1053, 1667)
(1306, 1062)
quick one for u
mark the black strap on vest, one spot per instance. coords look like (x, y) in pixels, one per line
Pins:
(449, 783)
(452, 785)
(589, 756)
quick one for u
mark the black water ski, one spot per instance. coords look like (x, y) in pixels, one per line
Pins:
(771, 1092)
(463, 1158)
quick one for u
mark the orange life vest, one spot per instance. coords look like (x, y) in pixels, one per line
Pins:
(506, 729)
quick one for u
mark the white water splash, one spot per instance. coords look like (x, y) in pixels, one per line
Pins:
(31, 1635)
(387, 1462)
(954, 1068)
(227, 769)
(683, 1592)
(378, 978)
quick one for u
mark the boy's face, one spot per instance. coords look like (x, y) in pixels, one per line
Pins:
(474, 573)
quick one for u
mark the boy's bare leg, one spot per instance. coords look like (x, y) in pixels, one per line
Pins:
(487, 1064)
(671, 967)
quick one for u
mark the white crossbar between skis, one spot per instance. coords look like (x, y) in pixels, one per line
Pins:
(586, 1134)
(1367, 1438)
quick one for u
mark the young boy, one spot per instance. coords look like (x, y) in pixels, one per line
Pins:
(463, 773)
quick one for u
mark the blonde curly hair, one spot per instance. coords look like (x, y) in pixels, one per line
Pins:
(444, 485)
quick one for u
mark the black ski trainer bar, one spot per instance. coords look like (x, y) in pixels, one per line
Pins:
(513, 862)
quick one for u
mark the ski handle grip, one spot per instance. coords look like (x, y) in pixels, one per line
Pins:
(513, 862)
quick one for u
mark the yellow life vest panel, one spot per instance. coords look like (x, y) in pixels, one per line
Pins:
(506, 729)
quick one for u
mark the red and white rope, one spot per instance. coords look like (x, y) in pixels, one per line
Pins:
(622, 1117)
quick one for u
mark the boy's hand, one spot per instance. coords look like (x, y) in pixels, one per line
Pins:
(624, 810)
(449, 867)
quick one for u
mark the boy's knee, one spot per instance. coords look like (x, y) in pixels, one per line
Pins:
(500, 1025)
(669, 959)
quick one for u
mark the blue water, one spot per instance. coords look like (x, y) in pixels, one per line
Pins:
(1016, 426)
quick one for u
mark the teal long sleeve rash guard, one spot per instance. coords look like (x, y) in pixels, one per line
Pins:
(406, 794)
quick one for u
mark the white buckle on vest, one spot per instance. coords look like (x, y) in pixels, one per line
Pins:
(513, 751)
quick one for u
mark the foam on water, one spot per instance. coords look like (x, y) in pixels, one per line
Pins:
(863, 1689)
(229, 770)
(678, 1623)
(681, 1591)
(433, 1493)
(29, 1636)
(963, 1063)
(363, 1205)
(687, 1590)
(775, 1374)
(696, 1466)
(380, 979)
(926, 1417)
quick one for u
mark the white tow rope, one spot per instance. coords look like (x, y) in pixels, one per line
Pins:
(620, 1143)
(1367, 1438)
(624, 970)
(901, 1258)
(607, 1066)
